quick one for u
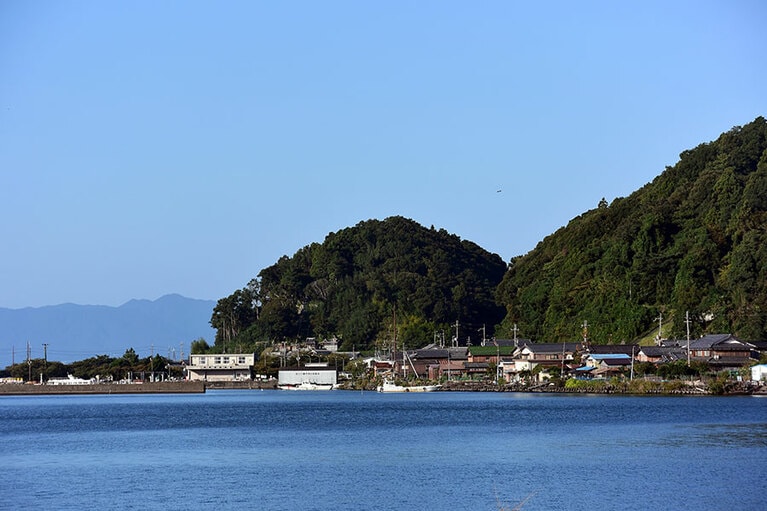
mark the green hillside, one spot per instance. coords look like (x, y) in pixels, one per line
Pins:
(694, 239)
(361, 282)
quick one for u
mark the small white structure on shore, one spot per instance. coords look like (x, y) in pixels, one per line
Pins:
(759, 372)
(310, 375)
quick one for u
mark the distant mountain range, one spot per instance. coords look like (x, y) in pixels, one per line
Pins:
(75, 332)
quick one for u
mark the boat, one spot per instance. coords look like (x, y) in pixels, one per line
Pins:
(71, 380)
(308, 386)
(390, 386)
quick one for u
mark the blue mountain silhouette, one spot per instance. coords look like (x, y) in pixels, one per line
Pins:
(75, 332)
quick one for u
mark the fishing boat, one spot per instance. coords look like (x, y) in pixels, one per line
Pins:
(390, 386)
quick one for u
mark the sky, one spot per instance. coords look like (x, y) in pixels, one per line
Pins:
(155, 147)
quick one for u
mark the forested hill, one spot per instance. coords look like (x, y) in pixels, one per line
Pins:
(694, 239)
(363, 280)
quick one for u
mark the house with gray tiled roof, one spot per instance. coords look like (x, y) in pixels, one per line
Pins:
(660, 354)
(434, 362)
(540, 355)
(607, 364)
(626, 349)
(721, 351)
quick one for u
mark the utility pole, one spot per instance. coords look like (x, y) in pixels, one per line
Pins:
(455, 339)
(45, 359)
(404, 365)
(29, 362)
(394, 337)
(515, 330)
(562, 369)
(687, 321)
(659, 319)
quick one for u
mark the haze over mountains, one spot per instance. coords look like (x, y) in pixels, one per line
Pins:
(75, 332)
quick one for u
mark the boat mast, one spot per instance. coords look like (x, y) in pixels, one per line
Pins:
(404, 365)
(394, 344)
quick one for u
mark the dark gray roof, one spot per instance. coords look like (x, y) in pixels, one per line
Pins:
(614, 348)
(729, 361)
(459, 353)
(442, 353)
(615, 362)
(655, 351)
(718, 342)
(430, 353)
(665, 353)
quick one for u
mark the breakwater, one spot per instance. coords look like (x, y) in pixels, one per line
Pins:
(168, 387)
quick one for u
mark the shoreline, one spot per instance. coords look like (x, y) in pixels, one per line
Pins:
(174, 387)
(200, 387)
(167, 387)
(733, 389)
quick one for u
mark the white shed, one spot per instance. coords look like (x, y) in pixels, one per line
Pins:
(310, 374)
(759, 372)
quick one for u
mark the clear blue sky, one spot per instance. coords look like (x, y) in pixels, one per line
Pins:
(154, 147)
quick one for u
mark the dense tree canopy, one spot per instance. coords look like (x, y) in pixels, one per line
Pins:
(100, 366)
(363, 280)
(694, 239)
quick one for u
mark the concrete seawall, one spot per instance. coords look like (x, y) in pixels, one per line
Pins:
(241, 385)
(170, 387)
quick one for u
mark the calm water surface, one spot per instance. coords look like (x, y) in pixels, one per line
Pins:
(347, 450)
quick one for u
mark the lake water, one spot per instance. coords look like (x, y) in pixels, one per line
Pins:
(340, 450)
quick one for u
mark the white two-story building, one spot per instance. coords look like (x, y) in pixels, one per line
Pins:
(221, 366)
